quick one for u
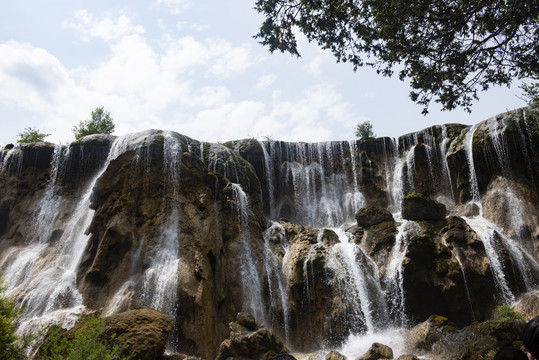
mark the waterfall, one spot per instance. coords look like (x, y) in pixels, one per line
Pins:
(252, 286)
(49, 290)
(268, 165)
(317, 190)
(160, 280)
(358, 282)
(474, 186)
(275, 236)
(12, 160)
(394, 278)
(42, 225)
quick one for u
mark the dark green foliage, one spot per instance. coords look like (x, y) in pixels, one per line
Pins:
(87, 343)
(30, 135)
(11, 345)
(505, 312)
(449, 50)
(531, 93)
(101, 123)
(364, 130)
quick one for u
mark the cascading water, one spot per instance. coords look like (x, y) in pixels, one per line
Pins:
(268, 164)
(43, 220)
(160, 280)
(358, 281)
(394, 278)
(49, 292)
(252, 288)
(275, 236)
(320, 193)
(489, 233)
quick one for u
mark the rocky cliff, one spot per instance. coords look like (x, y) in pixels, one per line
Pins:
(315, 241)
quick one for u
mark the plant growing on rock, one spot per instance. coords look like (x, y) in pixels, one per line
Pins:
(101, 123)
(12, 346)
(87, 343)
(30, 135)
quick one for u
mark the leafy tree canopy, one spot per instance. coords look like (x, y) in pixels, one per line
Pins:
(30, 135)
(101, 123)
(364, 130)
(448, 49)
(531, 93)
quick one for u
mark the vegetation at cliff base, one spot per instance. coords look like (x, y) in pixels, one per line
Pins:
(30, 135)
(86, 344)
(101, 123)
(12, 346)
(448, 50)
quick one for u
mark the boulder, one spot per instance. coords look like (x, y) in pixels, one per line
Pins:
(145, 331)
(418, 208)
(248, 341)
(423, 336)
(479, 340)
(370, 216)
(335, 355)
(407, 357)
(377, 351)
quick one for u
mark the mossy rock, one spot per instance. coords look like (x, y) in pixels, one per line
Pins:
(371, 216)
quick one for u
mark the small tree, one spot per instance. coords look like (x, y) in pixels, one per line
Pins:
(101, 123)
(30, 135)
(364, 130)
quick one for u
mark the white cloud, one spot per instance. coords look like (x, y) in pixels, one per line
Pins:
(211, 96)
(228, 59)
(178, 83)
(175, 7)
(140, 82)
(104, 28)
(265, 81)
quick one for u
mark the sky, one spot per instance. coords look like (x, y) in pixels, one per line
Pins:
(192, 67)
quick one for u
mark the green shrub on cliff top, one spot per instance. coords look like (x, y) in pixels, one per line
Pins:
(101, 123)
(31, 135)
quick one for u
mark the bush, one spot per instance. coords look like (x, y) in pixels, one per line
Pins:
(86, 343)
(505, 312)
(12, 346)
